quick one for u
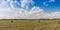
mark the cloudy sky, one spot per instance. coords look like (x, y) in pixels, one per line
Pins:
(29, 9)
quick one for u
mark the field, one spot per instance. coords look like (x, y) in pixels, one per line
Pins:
(30, 25)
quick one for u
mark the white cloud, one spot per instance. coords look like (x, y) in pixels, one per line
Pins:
(7, 13)
(26, 3)
(53, 15)
(20, 13)
(34, 13)
(9, 3)
(51, 0)
(45, 4)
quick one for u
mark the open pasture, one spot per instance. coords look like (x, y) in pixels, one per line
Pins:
(30, 25)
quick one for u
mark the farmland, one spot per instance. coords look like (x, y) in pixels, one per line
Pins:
(30, 24)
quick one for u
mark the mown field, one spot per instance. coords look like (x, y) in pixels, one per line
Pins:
(30, 25)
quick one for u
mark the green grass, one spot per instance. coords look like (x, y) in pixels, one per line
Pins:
(30, 25)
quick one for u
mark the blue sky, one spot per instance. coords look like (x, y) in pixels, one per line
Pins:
(51, 7)
(29, 9)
